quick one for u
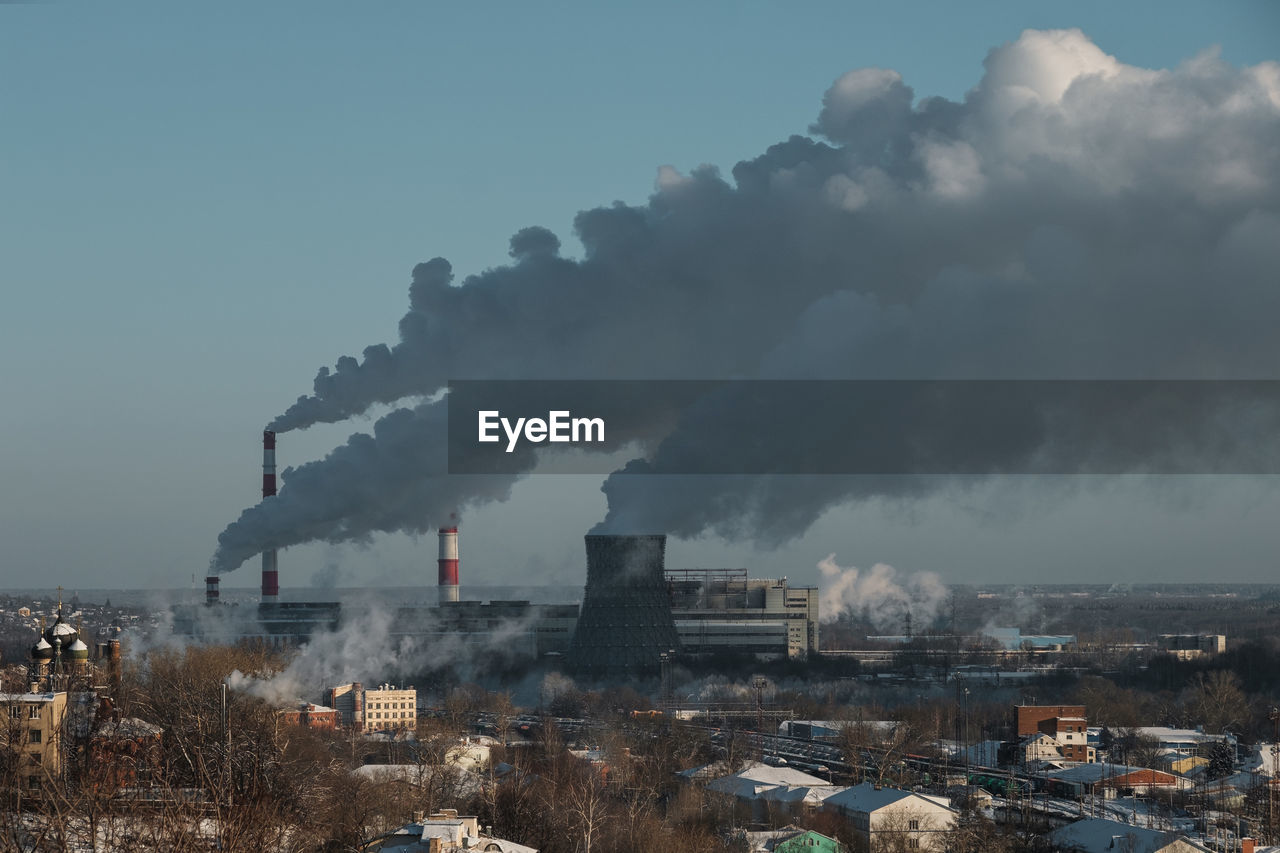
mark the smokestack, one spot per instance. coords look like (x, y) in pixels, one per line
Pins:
(448, 564)
(113, 666)
(270, 574)
(211, 590)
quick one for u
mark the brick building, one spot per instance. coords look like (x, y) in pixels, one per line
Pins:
(310, 716)
(1066, 724)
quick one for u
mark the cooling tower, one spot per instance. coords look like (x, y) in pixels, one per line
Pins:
(625, 624)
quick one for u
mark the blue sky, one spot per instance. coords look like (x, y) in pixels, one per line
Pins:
(204, 205)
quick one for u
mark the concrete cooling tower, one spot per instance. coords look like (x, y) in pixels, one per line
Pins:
(625, 623)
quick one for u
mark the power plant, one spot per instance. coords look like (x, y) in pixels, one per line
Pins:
(634, 611)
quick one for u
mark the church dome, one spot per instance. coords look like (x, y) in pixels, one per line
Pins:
(42, 651)
(61, 631)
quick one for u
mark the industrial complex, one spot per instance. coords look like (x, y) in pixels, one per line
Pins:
(634, 611)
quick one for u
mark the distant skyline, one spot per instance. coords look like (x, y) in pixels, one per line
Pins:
(205, 205)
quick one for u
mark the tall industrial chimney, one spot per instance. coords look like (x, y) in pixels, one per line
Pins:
(448, 563)
(270, 573)
(211, 590)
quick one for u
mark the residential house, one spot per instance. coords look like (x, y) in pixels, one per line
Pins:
(792, 839)
(880, 814)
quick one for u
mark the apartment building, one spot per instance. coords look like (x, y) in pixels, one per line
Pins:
(32, 730)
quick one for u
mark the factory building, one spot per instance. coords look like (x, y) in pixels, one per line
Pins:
(374, 709)
(722, 610)
(1192, 646)
(512, 626)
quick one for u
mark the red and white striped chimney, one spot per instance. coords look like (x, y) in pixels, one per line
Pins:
(211, 589)
(270, 573)
(448, 564)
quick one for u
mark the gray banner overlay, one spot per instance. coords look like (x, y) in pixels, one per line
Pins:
(926, 427)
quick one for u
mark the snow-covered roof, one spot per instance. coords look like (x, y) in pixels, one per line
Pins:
(1089, 773)
(128, 727)
(1097, 834)
(768, 840)
(1262, 759)
(452, 832)
(757, 777)
(29, 697)
(811, 795)
(869, 798)
(1164, 734)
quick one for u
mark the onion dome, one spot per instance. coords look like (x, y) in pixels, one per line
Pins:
(78, 650)
(61, 631)
(42, 651)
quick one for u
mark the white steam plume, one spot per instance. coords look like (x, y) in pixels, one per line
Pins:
(880, 595)
(374, 644)
(1071, 217)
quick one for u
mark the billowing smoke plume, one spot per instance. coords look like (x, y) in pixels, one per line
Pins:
(1072, 217)
(880, 595)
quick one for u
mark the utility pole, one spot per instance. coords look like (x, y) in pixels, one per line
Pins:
(759, 683)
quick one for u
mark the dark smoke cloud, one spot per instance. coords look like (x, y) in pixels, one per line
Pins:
(1072, 217)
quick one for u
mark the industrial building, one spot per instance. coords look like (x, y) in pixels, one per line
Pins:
(1192, 646)
(520, 627)
(374, 709)
(634, 613)
(1065, 724)
(722, 610)
(309, 715)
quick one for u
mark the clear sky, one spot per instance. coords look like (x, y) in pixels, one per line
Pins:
(201, 205)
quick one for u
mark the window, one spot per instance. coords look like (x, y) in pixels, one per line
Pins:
(913, 843)
(33, 781)
(34, 736)
(913, 825)
(33, 712)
